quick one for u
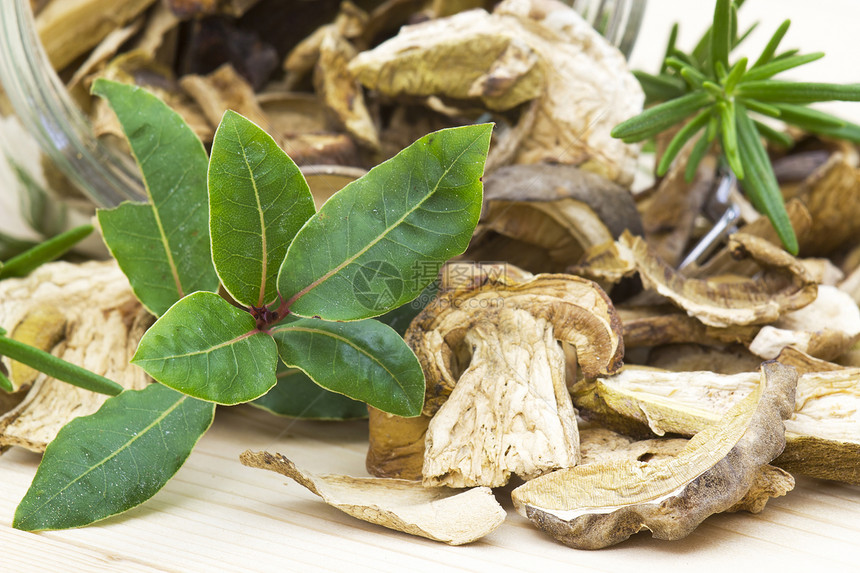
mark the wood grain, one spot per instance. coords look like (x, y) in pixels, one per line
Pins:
(217, 515)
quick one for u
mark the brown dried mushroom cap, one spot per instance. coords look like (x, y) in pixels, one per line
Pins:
(601, 504)
(822, 436)
(508, 411)
(832, 195)
(441, 514)
(785, 285)
(545, 217)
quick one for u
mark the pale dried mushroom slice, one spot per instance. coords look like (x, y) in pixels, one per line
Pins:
(784, 285)
(68, 30)
(505, 409)
(339, 91)
(822, 435)
(524, 51)
(826, 328)
(102, 323)
(658, 325)
(600, 504)
(804, 363)
(601, 445)
(221, 90)
(441, 514)
(544, 217)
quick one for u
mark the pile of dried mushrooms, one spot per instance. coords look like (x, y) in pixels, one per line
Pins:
(746, 360)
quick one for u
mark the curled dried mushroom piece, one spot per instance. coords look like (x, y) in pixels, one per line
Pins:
(441, 514)
(822, 435)
(601, 445)
(495, 372)
(785, 283)
(600, 504)
(545, 217)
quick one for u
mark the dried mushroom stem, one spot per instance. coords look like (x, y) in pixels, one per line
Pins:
(601, 504)
(515, 382)
(496, 387)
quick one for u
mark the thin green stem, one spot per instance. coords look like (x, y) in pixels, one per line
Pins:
(26, 262)
(57, 367)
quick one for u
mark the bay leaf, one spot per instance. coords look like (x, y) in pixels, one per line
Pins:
(297, 396)
(162, 246)
(381, 239)
(111, 461)
(258, 200)
(209, 349)
(365, 360)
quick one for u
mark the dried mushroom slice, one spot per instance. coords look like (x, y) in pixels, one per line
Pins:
(441, 514)
(669, 212)
(69, 29)
(655, 326)
(600, 445)
(339, 91)
(804, 363)
(221, 90)
(86, 314)
(826, 328)
(545, 217)
(824, 433)
(822, 436)
(784, 285)
(600, 504)
(505, 408)
(730, 359)
(138, 68)
(524, 51)
(832, 195)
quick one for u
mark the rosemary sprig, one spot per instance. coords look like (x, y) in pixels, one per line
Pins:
(718, 103)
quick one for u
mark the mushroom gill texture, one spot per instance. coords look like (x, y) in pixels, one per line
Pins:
(544, 218)
(785, 283)
(495, 375)
(600, 504)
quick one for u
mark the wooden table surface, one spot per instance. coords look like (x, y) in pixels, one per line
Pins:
(218, 515)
